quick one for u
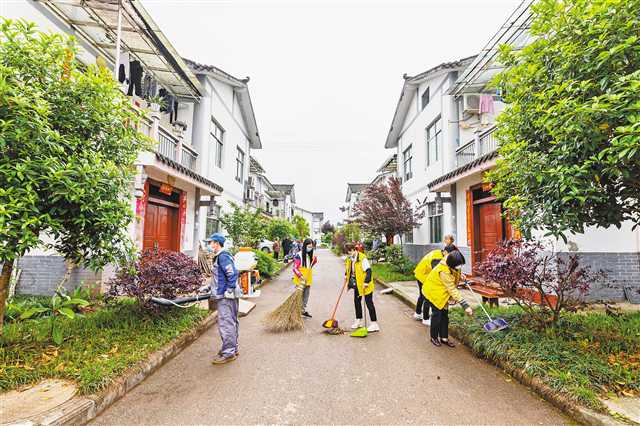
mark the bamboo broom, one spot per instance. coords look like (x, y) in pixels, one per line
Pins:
(287, 316)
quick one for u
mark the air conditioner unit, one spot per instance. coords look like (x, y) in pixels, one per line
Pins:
(275, 203)
(471, 103)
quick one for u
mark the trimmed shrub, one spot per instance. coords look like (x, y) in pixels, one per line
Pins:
(267, 265)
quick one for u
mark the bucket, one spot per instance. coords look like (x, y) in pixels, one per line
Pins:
(245, 259)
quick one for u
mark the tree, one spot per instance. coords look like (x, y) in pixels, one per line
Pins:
(351, 232)
(384, 210)
(573, 119)
(327, 228)
(245, 227)
(279, 229)
(301, 227)
(67, 150)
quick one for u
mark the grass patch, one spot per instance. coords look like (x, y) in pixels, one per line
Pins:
(587, 356)
(96, 349)
(386, 273)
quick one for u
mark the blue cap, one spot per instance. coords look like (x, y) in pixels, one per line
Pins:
(217, 237)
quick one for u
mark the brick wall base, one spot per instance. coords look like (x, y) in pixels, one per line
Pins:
(622, 269)
(41, 275)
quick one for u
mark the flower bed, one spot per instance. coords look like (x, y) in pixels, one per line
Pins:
(587, 356)
(387, 273)
(96, 349)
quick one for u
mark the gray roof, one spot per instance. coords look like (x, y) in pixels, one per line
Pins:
(241, 88)
(407, 93)
(354, 188)
(287, 189)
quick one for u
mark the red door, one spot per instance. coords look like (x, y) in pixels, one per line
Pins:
(490, 227)
(160, 227)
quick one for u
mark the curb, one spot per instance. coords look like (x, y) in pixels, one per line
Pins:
(580, 414)
(80, 410)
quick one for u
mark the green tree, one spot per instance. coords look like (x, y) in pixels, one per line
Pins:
(351, 232)
(245, 227)
(279, 228)
(301, 227)
(573, 118)
(67, 149)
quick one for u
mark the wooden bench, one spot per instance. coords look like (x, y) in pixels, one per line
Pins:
(489, 294)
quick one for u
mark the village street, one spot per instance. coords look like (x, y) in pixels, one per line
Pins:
(309, 377)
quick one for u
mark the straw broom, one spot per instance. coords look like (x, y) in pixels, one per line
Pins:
(287, 316)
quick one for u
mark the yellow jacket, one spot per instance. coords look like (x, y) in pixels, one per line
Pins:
(440, 286)
(360, 275)
(424, 266)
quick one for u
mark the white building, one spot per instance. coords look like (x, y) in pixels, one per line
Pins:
(354, 194)
(284, 198)
(451, 187)
(225, 132)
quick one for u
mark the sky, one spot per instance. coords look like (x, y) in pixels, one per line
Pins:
(326, 75)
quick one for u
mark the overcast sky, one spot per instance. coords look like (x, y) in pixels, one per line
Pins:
(326, 75)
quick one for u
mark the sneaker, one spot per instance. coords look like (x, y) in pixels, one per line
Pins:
(373, 327)
(223, 360)
(427, 322)
(356, 324)
(436, 342)
(417, 317)
(237, 353)
(447, 342)
(306, 314)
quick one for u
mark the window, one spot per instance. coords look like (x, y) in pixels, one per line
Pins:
(213, 221)
(406, 161)
(434, 141)
(435, 222)
(240, 166)
(425, 98)
(408, 237)
(217, 139)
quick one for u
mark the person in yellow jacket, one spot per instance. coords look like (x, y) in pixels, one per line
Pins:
(303, 263)
(426, 264)
(439, 287)
(359, 278)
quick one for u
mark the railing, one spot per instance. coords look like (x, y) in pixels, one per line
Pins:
(466, 153)
(189, 157)
(488, 142)
(168, 144)
(144, 127)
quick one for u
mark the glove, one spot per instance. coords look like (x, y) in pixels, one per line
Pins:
(469, 311)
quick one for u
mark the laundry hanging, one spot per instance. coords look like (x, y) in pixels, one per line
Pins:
(149, 86)
(135, 83)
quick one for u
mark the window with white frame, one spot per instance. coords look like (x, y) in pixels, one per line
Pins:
(425, 98)
(217, 140)
(407, 157)
(434, 141)
(213, 220)
(434, 214)
(240, 165)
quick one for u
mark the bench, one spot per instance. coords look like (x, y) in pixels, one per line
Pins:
(489, 295)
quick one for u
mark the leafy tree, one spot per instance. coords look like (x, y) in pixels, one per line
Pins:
(327, 228)
(384, 210)
(351, 232)
(67, 149)
(279, 229)
(245, 227)
(573, 118)
(301, 227)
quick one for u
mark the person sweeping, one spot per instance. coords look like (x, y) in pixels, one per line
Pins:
(303, 263)
(359, 278)
(422, 270)
(439, 287)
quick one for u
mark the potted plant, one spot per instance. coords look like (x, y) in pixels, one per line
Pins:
(155, 103)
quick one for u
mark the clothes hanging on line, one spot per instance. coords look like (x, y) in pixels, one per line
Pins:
(135, 84)
(123, 68)
(486, 104)
(170, 105)
(149, 86)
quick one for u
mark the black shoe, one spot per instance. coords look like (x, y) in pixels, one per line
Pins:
(436, 342)
(306, 314)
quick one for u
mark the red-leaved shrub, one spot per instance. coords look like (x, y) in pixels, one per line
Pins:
(157, 273)
(542, 282)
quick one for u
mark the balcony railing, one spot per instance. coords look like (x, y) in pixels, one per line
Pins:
(466, 153)
(189, 158)
(168, 144)
(488, 142)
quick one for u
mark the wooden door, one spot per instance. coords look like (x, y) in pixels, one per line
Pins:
(160, 227)
(490, 229)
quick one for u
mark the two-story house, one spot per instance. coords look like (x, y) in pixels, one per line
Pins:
(354, 194)
(424, 133)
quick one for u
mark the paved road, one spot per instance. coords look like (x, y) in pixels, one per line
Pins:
(308, 377)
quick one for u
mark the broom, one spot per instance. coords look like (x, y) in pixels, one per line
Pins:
(287, 316)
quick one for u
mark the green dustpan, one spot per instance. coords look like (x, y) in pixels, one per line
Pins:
(362, 331)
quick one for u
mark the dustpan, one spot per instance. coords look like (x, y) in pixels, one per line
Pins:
(332, 323)
(362, 331)
(494, 324)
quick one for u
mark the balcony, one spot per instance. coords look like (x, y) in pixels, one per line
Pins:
(170, 146)
(484, 144)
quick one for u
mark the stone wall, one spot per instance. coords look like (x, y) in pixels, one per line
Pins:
(41, 274)
(622, 269)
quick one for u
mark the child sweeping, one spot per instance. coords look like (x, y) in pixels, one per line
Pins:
(439, 287)
(303, 263)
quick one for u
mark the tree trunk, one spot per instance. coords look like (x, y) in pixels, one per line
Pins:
(7, 269)
(70, 266)
(389, 238)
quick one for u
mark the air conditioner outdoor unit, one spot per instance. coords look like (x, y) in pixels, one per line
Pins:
(471, 103)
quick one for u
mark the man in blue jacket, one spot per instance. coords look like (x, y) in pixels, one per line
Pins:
(224, 289)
